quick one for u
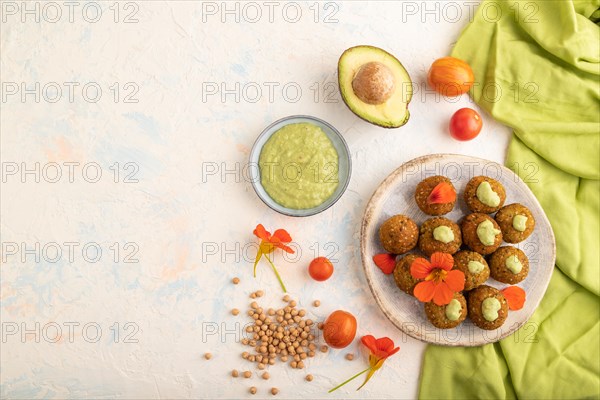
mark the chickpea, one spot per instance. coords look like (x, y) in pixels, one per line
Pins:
(235, 311)
(265, 376)
(309, 377)
(247, 374)
(253, 390)
(274, 391)
(259, 293)
(235, 280)
(235, 373)
(286, 298)
(208, 356)
(349, 356)
(324, 348)
(316, 303)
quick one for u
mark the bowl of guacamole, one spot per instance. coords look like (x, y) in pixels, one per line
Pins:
(300, 165)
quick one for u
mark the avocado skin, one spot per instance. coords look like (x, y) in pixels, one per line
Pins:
(364, 118)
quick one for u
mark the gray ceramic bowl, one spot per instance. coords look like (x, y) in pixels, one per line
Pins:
(344, 164)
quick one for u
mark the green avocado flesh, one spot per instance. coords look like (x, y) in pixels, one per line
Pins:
(393, 112)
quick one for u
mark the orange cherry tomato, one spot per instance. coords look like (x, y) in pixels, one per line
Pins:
(320, 269)
(465, 124)
(339, 329)
(450, 76)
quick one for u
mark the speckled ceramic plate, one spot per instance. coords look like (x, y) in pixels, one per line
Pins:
(395, 195)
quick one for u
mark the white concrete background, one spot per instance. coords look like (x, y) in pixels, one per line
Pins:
(192, 222)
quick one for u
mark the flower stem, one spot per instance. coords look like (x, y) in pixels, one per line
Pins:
(276, 274)
(348, 380)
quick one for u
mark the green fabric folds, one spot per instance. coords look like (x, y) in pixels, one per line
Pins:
(538, 68)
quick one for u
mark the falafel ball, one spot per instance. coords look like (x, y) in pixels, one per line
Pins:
(509, 265)
(488, 308)
(399, 234)
(402, 275)
(484, 195)
(447, 316)
(424, 189)
(481, 233)
(516, 222)
(474, 266)
(439, 234)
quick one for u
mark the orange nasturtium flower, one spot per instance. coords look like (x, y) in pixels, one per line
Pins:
(268, 244)
(381, 349)
(440, 280)
(515, 297)
(442, 193)
(386, 262)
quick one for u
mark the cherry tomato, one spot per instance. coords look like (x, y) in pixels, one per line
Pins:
(465, 124)
(320, 269)
(339, 329)
(450, 76)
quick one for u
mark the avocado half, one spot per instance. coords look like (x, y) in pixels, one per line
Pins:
(375, 86)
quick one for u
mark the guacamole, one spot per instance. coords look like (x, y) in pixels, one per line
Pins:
(299, 166)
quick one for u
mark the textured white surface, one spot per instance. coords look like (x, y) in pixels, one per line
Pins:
(193, 228)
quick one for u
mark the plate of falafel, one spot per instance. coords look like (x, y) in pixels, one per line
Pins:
(457, 250)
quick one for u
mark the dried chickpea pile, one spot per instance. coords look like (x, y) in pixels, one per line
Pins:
(279, 333)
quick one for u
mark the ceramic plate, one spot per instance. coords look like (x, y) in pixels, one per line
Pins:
(395, 195)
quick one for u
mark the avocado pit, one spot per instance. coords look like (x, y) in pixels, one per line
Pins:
(374, 83)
